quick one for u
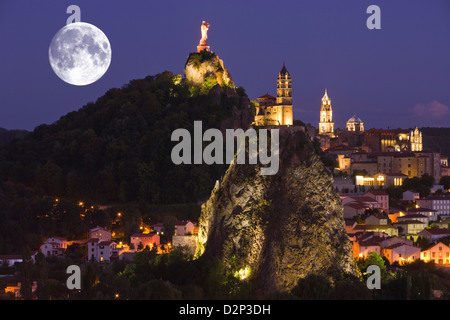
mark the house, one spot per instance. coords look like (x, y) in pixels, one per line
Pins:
(102, 251)
(159, 228)
(376, 219)
(366, 243)
(100, 233)
(146, 239)
(401, 252)
(184, 227)
(411, 227)
(394, 240)
(413, 217)
(364, 248)
(440, 203)
(54, 246)
(353, 209)
(434, 234)
(439, 253)
(381, 197)
(431, 214)
(369, 202)
(411, 195)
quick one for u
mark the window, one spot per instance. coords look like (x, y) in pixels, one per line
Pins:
(433, 254)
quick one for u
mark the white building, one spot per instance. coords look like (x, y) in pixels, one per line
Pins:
(432, 215)
(439, 253)
(434, 234)
(411, 195)
(381, 197)
(102, 251)
(100, 233)
(440, 203)
(184, 227)
(54, 246)
(401, 252)
(413, 217)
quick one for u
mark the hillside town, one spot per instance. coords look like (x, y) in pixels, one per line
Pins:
(373, 170)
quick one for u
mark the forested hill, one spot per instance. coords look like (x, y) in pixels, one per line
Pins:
(118, 148)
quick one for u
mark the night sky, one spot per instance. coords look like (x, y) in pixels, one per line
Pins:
(394, 77)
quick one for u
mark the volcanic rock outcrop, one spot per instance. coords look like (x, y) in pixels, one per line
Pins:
(275, 230)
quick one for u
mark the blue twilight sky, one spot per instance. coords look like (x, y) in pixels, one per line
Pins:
(394, 77)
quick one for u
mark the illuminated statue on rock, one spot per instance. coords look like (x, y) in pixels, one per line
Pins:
(203, 45)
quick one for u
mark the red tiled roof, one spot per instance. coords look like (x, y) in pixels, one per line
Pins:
(409, 222)
(363, 199)
(355, 205)
(143, 235)
(377, 192)
(436, 231)
(267, 96)
(396, 245)
(413, 215)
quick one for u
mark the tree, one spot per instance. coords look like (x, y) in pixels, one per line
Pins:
(26, 270)
(445, 181)
(312, 287)
(42, 277)
(422, 185)
(374, 259)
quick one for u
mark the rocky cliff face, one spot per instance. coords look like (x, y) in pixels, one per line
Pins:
(206, 72)
(274, 230)
(206, 68)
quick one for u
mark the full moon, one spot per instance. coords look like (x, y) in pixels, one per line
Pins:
(80, 53)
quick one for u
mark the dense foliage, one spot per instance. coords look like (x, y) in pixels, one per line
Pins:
(118, 148)
(114, 151)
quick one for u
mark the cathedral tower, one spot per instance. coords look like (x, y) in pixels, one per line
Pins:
(284, 97)
(326, 125)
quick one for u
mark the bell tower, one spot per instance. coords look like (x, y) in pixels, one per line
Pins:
(326, 125)
(284, 97)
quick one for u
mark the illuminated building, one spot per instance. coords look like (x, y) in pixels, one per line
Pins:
(277, 111)
(355, 124)
(326, 125)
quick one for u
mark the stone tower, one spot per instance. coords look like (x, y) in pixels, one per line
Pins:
(284, 97)
(326, 125)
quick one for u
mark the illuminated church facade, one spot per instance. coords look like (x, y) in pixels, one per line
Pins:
(277, 111)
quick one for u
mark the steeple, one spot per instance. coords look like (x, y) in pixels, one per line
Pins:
(284, 73)
(326, 99)
(326, 125)
(284, 89)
